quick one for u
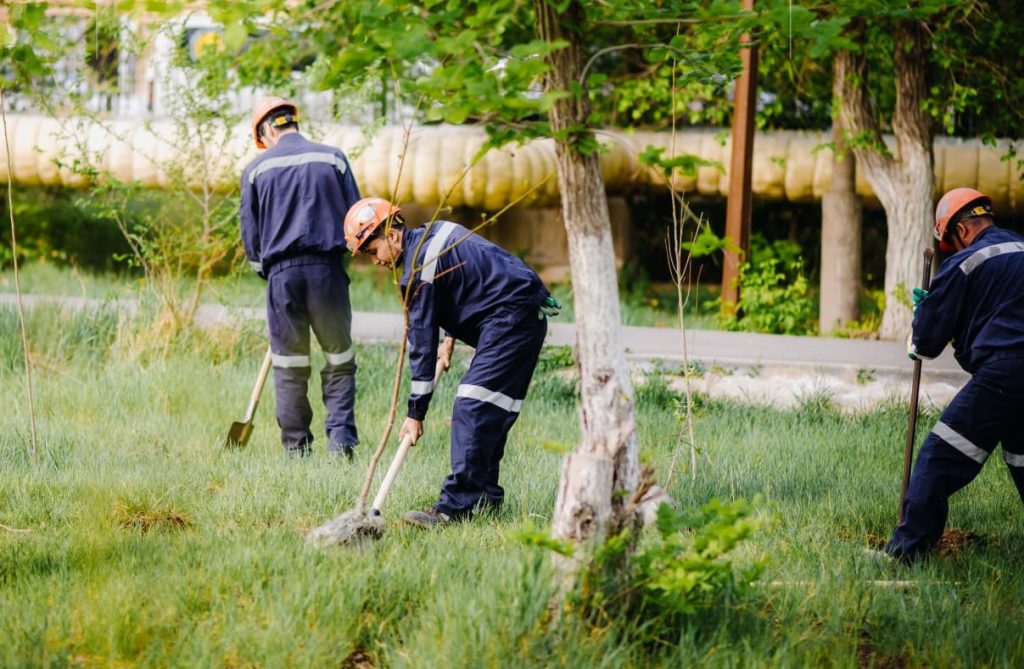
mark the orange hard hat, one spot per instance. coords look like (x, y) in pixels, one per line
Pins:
(263, 108)
(364, 217)
(954, 203)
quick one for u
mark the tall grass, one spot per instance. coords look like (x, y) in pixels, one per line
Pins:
(137, 540)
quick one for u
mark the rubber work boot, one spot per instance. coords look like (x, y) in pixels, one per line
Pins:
(429, 518)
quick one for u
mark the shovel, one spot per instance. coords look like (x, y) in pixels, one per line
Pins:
(238, 435)
(915, 387)
(355, 526)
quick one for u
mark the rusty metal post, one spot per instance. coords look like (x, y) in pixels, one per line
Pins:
(737, 213)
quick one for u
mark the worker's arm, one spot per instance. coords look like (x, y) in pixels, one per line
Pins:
(936, 316)
(423, 340)
(249, 222)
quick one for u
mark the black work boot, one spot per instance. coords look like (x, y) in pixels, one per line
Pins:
(429, 518)
(340, 451)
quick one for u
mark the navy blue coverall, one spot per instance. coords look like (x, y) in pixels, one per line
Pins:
(977, 302)
(486, 297)
(294, 199)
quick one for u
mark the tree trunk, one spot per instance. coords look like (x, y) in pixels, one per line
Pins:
(600, 477)
(839, 301)
(904, 181)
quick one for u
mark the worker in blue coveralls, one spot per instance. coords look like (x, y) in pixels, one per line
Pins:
(294, 199)
(479, 294)
(977, 302)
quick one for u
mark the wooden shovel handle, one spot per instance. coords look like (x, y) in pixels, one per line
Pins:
(257, 390)
(389, 478)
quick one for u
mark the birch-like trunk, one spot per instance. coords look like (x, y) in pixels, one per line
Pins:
(839, 297)
(594, 495)
(904, 181)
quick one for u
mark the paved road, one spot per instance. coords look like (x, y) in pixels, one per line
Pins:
(711, 348)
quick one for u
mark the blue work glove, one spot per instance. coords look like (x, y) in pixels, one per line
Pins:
(918, 296)
(550, 308)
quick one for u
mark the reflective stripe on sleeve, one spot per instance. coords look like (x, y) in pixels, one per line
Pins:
(300, 159)
(974, 260)
(434, 249)
(422, 387)
(339, 358)
(287, 361)
(1013, 459)
(499, 400)
(960, 442)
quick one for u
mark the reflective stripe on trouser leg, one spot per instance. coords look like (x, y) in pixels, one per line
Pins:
(951, 457)
(330, 315)
(486, 407)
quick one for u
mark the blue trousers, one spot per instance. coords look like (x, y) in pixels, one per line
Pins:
(303, 293)
(983, 414)
(487, 404)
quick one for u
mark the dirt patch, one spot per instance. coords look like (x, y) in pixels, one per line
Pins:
(137, 518)
(954, 542)
(358, 659)
(868, 656)
(875, 541)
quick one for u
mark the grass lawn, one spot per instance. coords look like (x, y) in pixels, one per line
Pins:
(136, 540)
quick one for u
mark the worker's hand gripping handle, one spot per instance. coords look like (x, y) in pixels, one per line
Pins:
(396, 462)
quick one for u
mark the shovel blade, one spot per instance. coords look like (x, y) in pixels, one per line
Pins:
(238, 435)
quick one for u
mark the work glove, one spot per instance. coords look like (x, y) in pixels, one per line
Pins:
(549, 308)
(918, 295)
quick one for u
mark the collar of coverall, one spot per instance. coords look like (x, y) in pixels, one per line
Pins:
(289, 137)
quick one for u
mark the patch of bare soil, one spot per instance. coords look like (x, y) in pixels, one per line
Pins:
(869, 657)
(953, 542)
(358, 659)
(136, 518)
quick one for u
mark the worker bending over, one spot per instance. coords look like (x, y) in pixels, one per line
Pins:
(483, 296)
(977, 302)
(294, 198)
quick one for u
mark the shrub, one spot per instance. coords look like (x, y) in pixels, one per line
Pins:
(774, 292)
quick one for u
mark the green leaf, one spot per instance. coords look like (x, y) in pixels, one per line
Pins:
(235, 36)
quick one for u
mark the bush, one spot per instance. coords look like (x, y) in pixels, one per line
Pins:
(675, 581)
(774, 292)
(52, 224)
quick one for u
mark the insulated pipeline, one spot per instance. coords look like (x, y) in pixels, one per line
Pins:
(435, 163)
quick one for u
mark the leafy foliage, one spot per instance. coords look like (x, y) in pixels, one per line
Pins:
(774, 292)
(683, 571)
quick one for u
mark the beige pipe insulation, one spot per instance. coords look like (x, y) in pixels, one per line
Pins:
(786, 164)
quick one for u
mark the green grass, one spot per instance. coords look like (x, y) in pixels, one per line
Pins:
(147, 544)
(643, 303)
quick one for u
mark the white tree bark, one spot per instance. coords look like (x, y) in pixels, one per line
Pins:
(597, 480)
(839, 297)
(904, 181)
